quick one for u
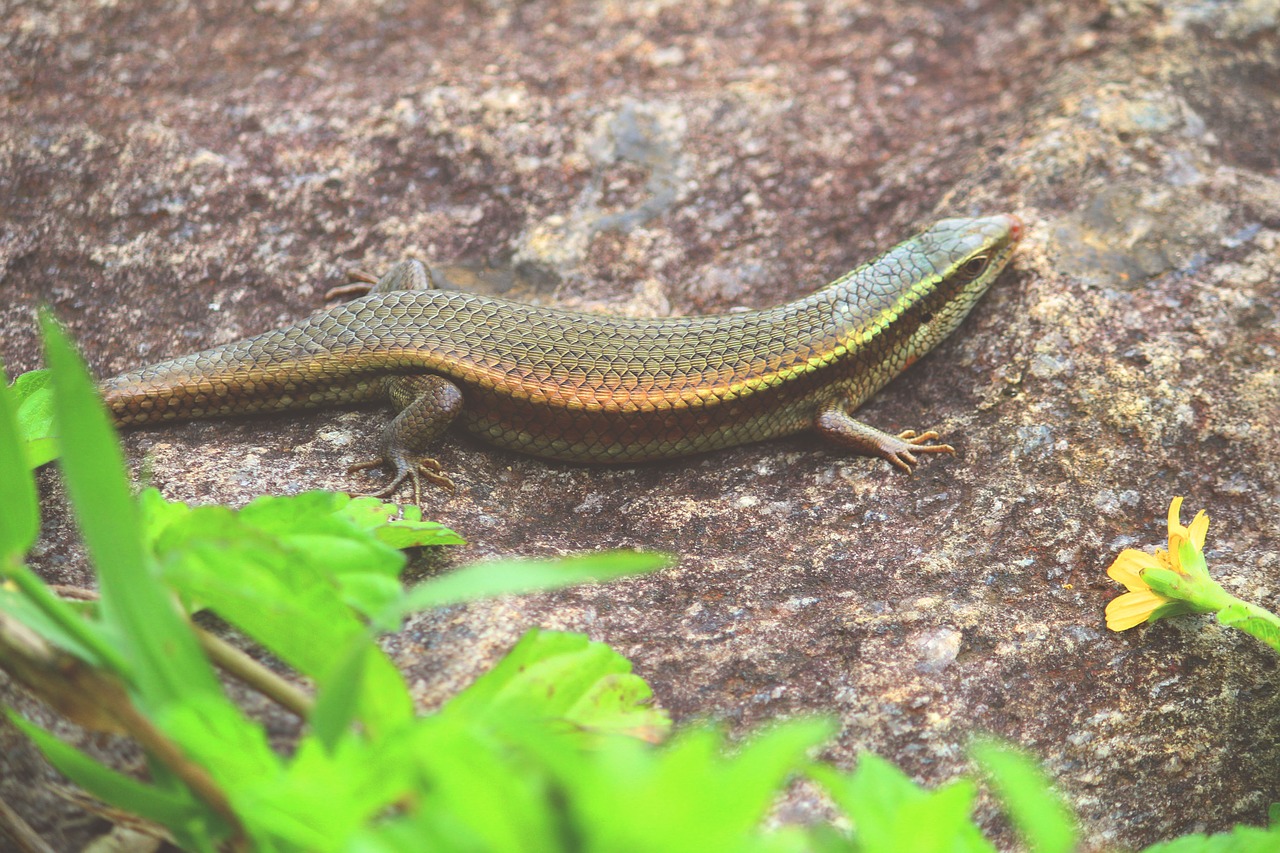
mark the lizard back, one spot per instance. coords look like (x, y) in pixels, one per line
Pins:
(639, 387)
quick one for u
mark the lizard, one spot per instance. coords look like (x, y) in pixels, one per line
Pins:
(583, 387)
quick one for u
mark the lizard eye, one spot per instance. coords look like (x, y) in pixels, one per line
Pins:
(975, 267)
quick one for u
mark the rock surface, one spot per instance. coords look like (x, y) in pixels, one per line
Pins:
(177, 177)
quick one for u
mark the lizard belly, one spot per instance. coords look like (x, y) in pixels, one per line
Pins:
(584, 435)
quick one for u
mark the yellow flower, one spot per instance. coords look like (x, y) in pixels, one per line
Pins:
(1142, 603)
(1194, 534)
(1136, 605)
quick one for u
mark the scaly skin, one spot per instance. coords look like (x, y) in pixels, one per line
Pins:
(594, 388)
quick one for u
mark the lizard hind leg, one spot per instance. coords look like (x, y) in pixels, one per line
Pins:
(428, 404)
(406, 275)
(899, 450)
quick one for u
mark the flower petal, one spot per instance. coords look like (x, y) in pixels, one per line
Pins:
(1199, 529)
(1133, 608)
(1175, 523)
(1127, 569)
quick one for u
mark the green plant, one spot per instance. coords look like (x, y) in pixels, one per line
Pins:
(557, 748)
(1174, 581)
(313, 579)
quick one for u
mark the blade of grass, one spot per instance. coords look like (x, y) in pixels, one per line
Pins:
(166, 664)
(1042, 819)
(170, 808)
(57, 622)
(19, 526)
(512, 577)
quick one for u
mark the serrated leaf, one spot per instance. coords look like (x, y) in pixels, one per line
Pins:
(406, 531)
(20, 518)
(312, 523)
(325, 795)
(158, 514)
(278, 595)
(34, 415)
(695, 793)
(891, 812)
(550, 674)
(338, 701)
(215, 735)
(485, 794)
(316, 529)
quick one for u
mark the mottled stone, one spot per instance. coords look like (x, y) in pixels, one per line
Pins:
(175, 177)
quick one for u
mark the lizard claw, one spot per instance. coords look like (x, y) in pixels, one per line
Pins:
(359, 283)
(405, 469)
(897, 450)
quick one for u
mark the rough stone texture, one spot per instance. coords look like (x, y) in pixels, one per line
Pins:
(180, 176)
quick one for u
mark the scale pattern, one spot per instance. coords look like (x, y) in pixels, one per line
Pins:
(595, 388)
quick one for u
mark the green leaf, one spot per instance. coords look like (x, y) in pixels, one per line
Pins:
(311, 523)
(326, 795)
(514, 577)
(176, 808)
(57, 622)
(34, 396)
(407, 531)
(281, 595)
(693, 794)
(20, 519)
(479, 792)
(313, 527)
(166, 663)
(1241, 839)
(214, 735)
(338, 701)
(1043, 820)
(158, 515)
(550, 674)
(1253, 620)
(891, 812)
(350, 549)
(520, 788)
(172, 681)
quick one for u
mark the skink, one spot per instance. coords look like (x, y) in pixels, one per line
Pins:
(593, 388)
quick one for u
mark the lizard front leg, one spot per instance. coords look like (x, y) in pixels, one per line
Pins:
(837, 425)
(428, 404)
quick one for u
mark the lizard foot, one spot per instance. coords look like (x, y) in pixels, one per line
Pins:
(406, 275)
(414, 471)
(897, 450)
(360, 283)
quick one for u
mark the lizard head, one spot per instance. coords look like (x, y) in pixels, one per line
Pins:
(960, 258)
(918, 292)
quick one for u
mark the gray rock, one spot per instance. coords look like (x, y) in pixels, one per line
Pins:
(178, 177)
